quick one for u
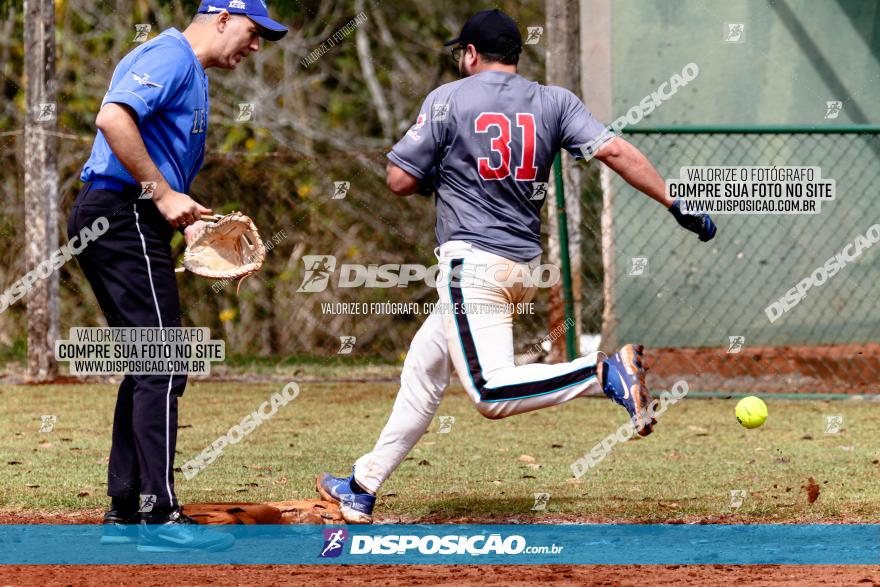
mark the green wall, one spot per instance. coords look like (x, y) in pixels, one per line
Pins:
(795, 56)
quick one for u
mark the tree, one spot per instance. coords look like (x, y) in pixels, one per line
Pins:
(41, 185)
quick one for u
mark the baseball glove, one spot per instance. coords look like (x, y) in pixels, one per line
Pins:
(298, 511)
(229, 247)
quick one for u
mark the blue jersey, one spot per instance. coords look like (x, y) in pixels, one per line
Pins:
(492, 138)
(166, 86)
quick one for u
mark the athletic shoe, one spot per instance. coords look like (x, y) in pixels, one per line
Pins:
(176, 532)
(120, 527)
(623, 380)
(355, 504)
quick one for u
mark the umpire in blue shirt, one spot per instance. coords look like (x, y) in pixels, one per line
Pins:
(149, 147)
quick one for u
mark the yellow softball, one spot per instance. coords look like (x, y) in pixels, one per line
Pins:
(751, 411)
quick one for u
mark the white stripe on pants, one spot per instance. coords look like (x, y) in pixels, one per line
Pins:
(497, 386)
(168, 457)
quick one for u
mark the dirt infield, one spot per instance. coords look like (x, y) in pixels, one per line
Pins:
(160, 576)
(851, 369)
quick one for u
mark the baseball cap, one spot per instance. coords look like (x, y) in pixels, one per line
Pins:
(490, 31)
(256, 10)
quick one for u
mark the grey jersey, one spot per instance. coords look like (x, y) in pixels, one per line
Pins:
(492, 138)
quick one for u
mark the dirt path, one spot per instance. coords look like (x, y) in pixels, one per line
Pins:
(851, 369)
(386, 575)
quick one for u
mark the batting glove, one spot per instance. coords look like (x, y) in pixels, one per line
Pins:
(696, 222)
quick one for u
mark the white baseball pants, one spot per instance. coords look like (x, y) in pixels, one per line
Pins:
(471, 329)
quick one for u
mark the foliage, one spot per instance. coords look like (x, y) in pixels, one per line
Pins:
(313, 125)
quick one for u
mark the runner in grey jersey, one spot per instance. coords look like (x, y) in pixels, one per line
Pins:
(483, 143)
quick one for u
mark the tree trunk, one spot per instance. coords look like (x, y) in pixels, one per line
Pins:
(41, 185)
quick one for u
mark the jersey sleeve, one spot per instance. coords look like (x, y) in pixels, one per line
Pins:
(580, 132)
(150, 80)
(416, 153)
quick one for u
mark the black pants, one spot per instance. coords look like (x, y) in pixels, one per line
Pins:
(132, 274)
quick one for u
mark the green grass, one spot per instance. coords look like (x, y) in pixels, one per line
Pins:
(250, 361)
(13, 360)
(687, 468)
(315, 367)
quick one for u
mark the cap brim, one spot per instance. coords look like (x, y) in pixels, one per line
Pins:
(271, 30)
(454, 41)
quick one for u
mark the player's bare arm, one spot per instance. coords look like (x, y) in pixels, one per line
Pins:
(117, 123)
(630, 164)
(399, 181)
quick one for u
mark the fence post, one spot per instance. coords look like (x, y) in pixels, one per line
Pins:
(567, 295)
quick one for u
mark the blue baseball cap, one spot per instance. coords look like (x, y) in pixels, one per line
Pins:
(256, 10)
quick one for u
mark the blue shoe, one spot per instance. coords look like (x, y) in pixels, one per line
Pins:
(176, 532)
(623, 380)
(355, 504)
(120, 527)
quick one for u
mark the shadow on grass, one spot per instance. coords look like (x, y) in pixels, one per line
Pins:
(470, 507)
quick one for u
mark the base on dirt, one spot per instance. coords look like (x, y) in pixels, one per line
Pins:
(298, 511)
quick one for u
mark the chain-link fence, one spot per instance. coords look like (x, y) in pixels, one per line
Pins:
(722, 312)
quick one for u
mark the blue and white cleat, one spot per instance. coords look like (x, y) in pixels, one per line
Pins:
(355, 504)
(623, 380)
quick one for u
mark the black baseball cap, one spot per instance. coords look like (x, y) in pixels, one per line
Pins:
(490, 31)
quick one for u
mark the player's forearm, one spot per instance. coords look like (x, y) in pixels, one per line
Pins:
(630, 164)
(399, 181)
(124, 138)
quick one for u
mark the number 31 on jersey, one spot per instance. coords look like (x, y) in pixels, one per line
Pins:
(499, 125)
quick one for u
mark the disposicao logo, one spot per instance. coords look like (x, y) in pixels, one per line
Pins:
(473, 545)
(334, 540)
